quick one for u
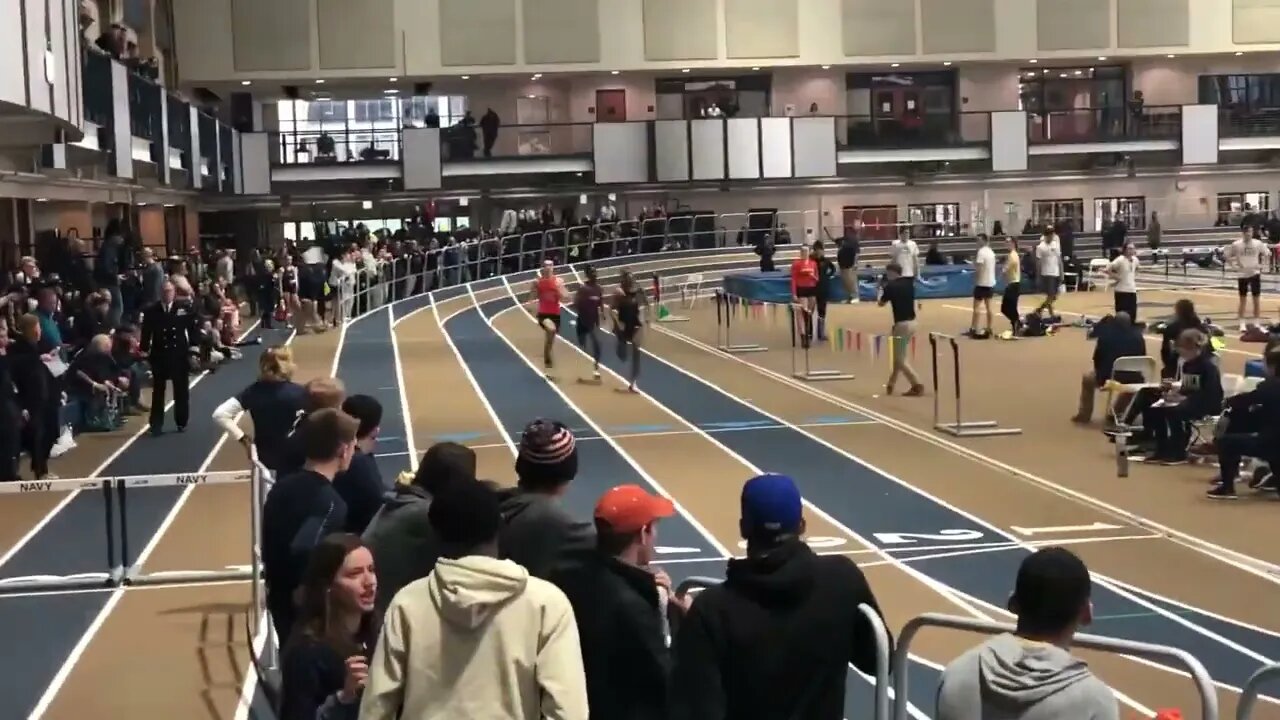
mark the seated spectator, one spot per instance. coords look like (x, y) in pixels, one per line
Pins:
(478, 637)
(100, 384)
(1184, 318)
(273, 402)
(620, 603)
(1197, 393)
(126, 350)
(51, 319)
(325, 664)
(1115, 337)
(763, 644)
(301, 508)
(1030, 674)
(402, 540)
(1253, 430)
(360, 485)
(537, 532)
(94, 319)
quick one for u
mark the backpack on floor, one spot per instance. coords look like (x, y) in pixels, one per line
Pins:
(1033, 325)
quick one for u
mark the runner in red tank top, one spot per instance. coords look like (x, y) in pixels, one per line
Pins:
(547, 292)
(804, 292)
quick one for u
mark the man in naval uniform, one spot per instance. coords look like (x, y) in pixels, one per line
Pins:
(169, 329)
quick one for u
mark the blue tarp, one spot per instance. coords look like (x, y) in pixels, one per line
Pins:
(936, 281)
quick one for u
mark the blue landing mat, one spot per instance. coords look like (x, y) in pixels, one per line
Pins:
(935, 281)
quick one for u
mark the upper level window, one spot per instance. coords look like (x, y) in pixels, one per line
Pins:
(1251, 92)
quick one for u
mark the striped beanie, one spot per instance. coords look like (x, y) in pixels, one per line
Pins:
(548, 455)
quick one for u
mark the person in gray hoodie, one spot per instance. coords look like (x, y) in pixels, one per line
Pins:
(400, 536)
(1030, 674)
(537, 532)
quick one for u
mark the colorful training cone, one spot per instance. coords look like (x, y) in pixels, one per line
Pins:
(663, 312)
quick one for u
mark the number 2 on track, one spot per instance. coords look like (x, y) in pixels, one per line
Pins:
(940, 536)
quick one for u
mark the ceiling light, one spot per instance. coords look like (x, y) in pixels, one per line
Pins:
(533, 97)
(1033, 61)
(466, 77)
(246, 82)
(1171, 55)
(757, 69)
(1238, 53)
(1079, 72)
(320, 82)
(946, 64)
(615, 72)
(142, 204)
(684, 70)
(1102, 57)
(42, 199)
(170, 205)
(391, 92)
(896, 65)
(392, 79)
(826, 67)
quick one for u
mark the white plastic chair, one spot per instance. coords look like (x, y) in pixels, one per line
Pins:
(1232, 385)
(1098, 277)
(690, 288)
(1146, 366)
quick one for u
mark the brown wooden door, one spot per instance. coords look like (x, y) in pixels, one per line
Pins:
(878, 223)
(611, 106)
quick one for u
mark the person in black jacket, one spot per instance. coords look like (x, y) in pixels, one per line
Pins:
(169, 330)
(10, 413)
(1115, 337)
(1253, 430)
(622, 609)
(827, 274)
(39, 397)
(320, 393)
(360, 485)
(1196, 394)
(1185, 317)
(302, 508)
(765, 249)
(775, 640)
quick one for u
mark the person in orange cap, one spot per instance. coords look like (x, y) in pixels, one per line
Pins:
(621, 605)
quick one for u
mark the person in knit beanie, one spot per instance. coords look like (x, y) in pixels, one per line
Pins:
(537, 531)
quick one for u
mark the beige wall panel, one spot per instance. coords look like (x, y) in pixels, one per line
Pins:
(561, 31)
(269, 36)
(762, 28)
(477, 32)
(958, 26)
(879, 27)
(1152, 23)
(373, 21)
(1073, 24)
(1255, 21)
(202, 39)
(680, 30)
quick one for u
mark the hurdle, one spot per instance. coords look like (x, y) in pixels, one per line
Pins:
(724, 329)
(802, 341)
(664, 315)
(959, 428)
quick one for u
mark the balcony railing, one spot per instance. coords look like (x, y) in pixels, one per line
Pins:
(930, 130)
(513, 141)
(334, 147)
(1110, 124)
(97, 88)
(1241, 122)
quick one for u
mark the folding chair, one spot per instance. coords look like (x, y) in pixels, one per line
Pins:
(1145, 366)
(690, 288)
(1098, 276)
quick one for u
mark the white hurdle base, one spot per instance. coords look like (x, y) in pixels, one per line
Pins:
(673, 319)
(822, 375)
(740, 349)
(979, 428)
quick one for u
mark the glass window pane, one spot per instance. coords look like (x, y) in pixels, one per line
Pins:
(443, 224)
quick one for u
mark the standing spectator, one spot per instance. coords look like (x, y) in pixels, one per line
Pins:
(107, 268)
(10, 412)
(766, 249)
(906, 253)
(478, 637)
(1153, 232)
(168, 331)
(152, 280)
(320, 393)
(537, 531)
(360, 486)
(273, 402)
(403, 542)
(38, 395)
(302, 508)
(1030, 674)
(326, 662)
(621, 608)
(489, 124)
(775, 640)
(1248, 256)
(984, 286)
(847, 259)
(1049, 269)
(899, 293)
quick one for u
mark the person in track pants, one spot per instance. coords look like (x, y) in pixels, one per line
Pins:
(1012, 287)
(169, 330)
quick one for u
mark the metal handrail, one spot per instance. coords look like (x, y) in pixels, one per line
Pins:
(1249, 694)
(901, 658)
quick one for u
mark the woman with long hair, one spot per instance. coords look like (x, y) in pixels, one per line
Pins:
(326, 660)
(629, 305)
(273, 402)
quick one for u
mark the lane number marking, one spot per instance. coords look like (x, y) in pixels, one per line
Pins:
(955, 535)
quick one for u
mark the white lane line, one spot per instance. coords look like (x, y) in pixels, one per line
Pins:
(142, 430)
(406, 416)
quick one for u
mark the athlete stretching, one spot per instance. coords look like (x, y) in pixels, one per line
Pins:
(629, 306)
(586, 305)
(547, 291)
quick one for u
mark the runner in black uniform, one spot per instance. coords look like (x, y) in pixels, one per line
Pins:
(827, 274)
(629, 304)
(586, 305)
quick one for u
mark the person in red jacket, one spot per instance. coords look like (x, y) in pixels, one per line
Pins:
(804, 289)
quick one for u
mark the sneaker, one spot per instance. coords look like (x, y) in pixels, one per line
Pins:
(915, 391)
(1222, 492)
(1173, 460)
(595, 374)
(1082, 420)
(1263, 481)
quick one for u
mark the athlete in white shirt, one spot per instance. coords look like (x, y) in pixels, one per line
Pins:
(1247, 256)
(1124, 272)
(984, 284)
(906, 253)
(1049, 269)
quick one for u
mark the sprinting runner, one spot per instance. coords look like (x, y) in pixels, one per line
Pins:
(586, 305)
(288, 278)
(629, 307)
(547, 292)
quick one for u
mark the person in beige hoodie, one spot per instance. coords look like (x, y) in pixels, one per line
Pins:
(478, 638)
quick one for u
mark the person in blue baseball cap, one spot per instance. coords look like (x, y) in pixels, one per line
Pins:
(774, 623)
